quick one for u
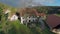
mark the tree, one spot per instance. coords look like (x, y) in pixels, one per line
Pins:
(1, 11)
(42, 9)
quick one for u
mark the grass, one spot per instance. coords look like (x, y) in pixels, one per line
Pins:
(47, 31)
(20, 28)
(23, 29)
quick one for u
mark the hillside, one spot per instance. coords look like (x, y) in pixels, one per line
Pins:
(14, 27)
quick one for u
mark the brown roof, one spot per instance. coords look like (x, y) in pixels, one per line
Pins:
(41, 14)
(53, 21)
(31, 11)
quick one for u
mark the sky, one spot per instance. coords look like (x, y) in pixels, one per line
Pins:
(25, 3)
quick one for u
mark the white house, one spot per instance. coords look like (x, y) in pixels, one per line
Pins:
(23, 20)
(10, 16)
(7, 11)
(13, 17)
(57, 31)
(28, 19)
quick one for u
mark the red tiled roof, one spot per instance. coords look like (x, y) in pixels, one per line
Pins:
(53, 21)
(41, 14)
(31, 11)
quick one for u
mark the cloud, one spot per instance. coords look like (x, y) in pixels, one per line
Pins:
(44, 1)
(25, 3)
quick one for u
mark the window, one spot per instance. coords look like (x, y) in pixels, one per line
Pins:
(29, 21)
(23, 21)
(33, 20)
(23, 18)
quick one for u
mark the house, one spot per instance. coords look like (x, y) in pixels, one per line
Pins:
(6, 13)
(28, 19)
(10, 16)
(53, 22)
(43, 15)
(29, 13)
(13, 17)
(31, 16)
